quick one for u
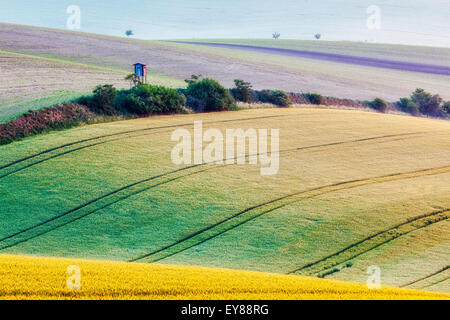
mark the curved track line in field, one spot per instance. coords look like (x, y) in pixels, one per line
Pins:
(170, 180)
(334, 57)
(107, 141)
(264, 208)
(127, 137)
(435, 283)
(126, 132)
(378, 239)
(103, 206)
(427, 277)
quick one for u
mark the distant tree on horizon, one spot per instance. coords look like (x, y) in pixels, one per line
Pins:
(317, 36)
(129, 33)
(276, 35)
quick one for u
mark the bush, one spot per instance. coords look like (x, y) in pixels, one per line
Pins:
(102, 102)
(378, 104)
(313, 98)
(428, 104)
(407, 105)
(276, 97)
(446, 107)
(208, 95)
(243, 91)
(145, 98)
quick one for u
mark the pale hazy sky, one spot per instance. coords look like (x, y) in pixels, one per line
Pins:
(424, 22)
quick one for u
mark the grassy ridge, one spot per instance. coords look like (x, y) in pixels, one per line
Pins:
(110, 191)
(45, 278)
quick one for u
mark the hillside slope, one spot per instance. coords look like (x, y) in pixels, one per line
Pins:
(30, 82)
(263, 70)
(354, 189)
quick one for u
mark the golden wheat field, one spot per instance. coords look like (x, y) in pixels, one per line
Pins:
(46, 278)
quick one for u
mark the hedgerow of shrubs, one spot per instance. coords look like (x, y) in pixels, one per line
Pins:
(446, 107)
(53, 118)
(142, 99)
(276, 97)
(200, 95)
(297, 98)
(378, 104)
(148, 99)
(422, 102)
(242, 91)
(102, 101)
(428, 104)
(313, 98)
(208, 95)
(408, 106)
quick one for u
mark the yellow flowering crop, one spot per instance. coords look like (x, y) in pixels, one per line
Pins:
(47, 278)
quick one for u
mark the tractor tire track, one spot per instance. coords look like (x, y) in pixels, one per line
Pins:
(372, 242)
(138, 183)
(253, 212)
(435, 283)
(427, 277)
(103, 202)
(48, 151)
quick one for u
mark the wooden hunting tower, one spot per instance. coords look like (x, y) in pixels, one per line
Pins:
(140, 70)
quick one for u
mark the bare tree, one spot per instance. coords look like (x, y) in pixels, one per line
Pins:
(276, 35)
(194, 78)
(134, 79)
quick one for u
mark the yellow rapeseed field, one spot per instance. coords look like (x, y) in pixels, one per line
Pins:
(47, 278)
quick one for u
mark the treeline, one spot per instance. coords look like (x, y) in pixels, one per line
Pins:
(419, 103)
(201, 95)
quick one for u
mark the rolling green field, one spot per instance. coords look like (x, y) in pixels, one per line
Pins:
(355, 189)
